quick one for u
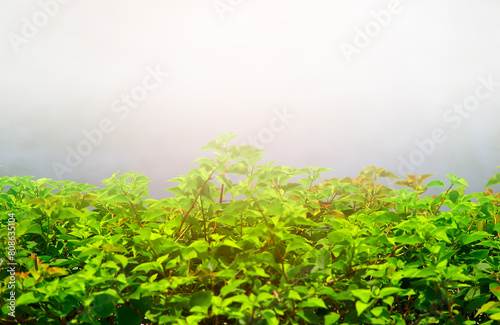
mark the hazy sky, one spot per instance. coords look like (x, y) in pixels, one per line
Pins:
(412, 86)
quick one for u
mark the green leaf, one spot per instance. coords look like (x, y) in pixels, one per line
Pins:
(240, 167)
(249, 153)
(258, 271)
(387, 216)
(176, 190)
(389, 291)
(146, 267)
(213, 145)
(205, 191)
(480, 253)
(61, 262)
(236, 207)
(225, 181)
(350, 188)
(37, 200)
(201, 299)
(127, 316)
(144, 233)
(89, 251)
(407, 225)
(488, 306)
(121, 259)
(69, 213)
(436, 183)
(455, 180)
(305, 182)
(331, 318)
(297, 245)
(26, 299)
(379, 311)
(356, 197)
(313, 303)
(294, 295)
(425, 176)
(226, 137)
(453, 196)
(494, 180)
(305, 222)
(28, 227)
(361, 307)
(270, 316)
(188, 253)
(122, 278)
(232, 287)
(426, 272)
(104, 303)
(409, 239)
(227, 219)
(200, 245)
(388, 300)
(388, 174)
(363, 294)
(230, 243)
(308, 315)
(440, 234)
(469, 238)
(114, 248)
(264, 296)
(477, 302)
(323, 169)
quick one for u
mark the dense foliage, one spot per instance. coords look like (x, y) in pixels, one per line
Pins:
(242, 243)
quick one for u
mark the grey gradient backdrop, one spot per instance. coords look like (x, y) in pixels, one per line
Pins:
(232, 65)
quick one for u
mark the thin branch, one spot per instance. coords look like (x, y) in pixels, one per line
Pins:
(195, 200)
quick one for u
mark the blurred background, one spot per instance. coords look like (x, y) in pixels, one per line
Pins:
(88, 88)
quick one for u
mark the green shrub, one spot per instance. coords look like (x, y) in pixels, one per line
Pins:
(242, 243)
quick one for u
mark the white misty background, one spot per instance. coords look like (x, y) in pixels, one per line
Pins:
(232, 65)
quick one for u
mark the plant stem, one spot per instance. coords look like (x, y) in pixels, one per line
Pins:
(195, 200)
(220, 198)
(272, 239)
